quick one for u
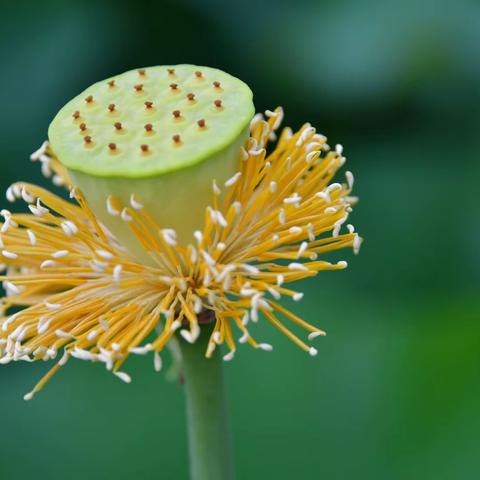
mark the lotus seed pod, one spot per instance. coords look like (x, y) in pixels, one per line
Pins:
(162, 133)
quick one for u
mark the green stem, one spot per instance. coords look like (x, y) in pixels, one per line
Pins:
(208, 426)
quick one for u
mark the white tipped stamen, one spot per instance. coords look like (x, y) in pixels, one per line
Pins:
(69, 228)
(117, 271)
(143, 350)
(125, 216)
(342, 264)
(280, 279)
(61, 334)
(170, 236)
(215, 188)
(229, 356)
(281, 216)
(297, 266)
(265, 347)
(32, 237)
(233, 180)
(302, 249)
(312, 351)
(273, 187)
(339, 149)
(315, 334)
(47, 263)
(27, 198)
(157, 361)
(92, 335)
(104, 254)
(41, 151)
(60, 254)
(10, 255)
(124, 377)
(198, 236)
(297, 296)
(244, 338)
(10, 195)
(110, 209)
(216, 337)
(350, 179)
(135, 204)
(53, 306)
(295, 230)
(27, 397)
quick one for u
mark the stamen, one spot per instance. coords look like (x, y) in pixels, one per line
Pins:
(76, 115)
(111, 107)
(201, 123)
(177, 139)
(191, 97)
(139, 87)
(173, 87)
(89, 99)
(148, 127)
(148, 105)
(198, 74)
(218, 103)
(118, 126)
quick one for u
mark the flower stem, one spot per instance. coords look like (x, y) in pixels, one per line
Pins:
(207, 419)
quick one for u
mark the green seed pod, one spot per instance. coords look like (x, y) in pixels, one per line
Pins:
(161, 133)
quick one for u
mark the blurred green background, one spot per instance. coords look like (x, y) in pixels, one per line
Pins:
(395, 390)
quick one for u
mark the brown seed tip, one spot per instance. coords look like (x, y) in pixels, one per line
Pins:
(138, 87)
(198, 74)
(89, 99)
(171, 71)
(117, 125)
(201, 123)
(87, 139)
(112, 146)
(111, 83)
(111, 107)
(148, 127)
(174, 86)
(177, 113)
(216, 84)
(83, 127)
(191, 96)
(141, 72)
(177, 139)
(149, 105)
(76, 114)
(218, 103)
(144, 148)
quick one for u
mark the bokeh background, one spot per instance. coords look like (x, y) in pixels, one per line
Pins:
(395, 390)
